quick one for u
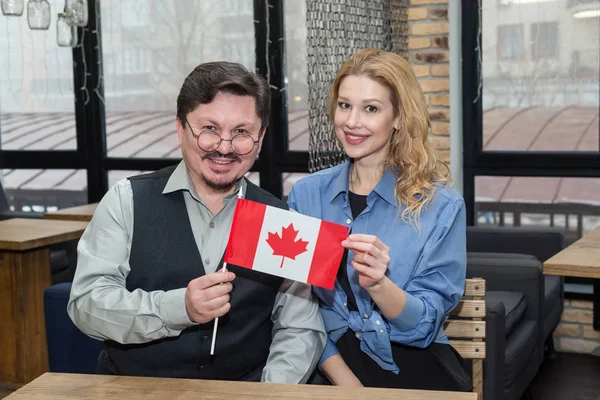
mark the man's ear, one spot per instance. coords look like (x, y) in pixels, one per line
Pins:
(261, 136)
(180, 130)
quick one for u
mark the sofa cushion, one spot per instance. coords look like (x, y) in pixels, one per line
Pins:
(69, 350)
(520, 347)
(515, 305)
(59, 261)
(551, 293)
(59, 291)
(504, 256)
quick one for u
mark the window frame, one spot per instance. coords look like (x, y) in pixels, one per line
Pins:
(90, 118)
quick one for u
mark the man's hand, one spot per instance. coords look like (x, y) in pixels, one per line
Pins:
(207, 297)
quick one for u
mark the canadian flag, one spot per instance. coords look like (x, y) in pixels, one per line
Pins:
(285, 243)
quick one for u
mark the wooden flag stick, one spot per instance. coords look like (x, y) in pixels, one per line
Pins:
(214, 335)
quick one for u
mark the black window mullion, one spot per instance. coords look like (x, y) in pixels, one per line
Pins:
(270, 53)
(41, 159)
(472, 105)
(89, 107)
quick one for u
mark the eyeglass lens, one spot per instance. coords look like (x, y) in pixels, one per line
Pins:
(210, 141)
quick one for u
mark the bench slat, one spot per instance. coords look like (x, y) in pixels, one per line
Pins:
(475, 287)
(469, 349)
(465, 329)
(469, 309)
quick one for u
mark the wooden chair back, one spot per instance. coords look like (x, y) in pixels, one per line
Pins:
(466, 329)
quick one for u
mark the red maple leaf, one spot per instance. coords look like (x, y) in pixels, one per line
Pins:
(286, 245)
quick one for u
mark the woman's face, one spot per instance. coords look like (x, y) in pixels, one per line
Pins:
(364, 118)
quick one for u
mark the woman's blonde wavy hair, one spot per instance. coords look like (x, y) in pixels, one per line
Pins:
(410, 154)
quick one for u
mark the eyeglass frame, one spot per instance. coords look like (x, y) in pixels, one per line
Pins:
(195, 136)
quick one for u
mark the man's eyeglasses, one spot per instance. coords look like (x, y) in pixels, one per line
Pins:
(208, 141)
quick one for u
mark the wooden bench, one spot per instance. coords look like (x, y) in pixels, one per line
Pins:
(466, 329)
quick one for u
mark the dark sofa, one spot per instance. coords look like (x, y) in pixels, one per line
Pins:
(523, 305)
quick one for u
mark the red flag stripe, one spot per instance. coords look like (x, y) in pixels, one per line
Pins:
(246, 225)
(327, 256)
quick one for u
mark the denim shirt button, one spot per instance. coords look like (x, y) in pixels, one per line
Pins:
(377, 322)
(345, 304)
(348, 221)
(357, 335)
(366, 316)
(381, 331)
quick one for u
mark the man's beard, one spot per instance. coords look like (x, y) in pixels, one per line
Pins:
(221, 187)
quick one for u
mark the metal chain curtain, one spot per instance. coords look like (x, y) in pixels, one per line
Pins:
(336, 29)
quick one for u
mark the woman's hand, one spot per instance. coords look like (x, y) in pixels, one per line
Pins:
(371, 259)
(338, 372)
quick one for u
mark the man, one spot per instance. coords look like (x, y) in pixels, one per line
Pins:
(148, 278)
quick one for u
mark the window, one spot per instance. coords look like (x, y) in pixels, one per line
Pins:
(569, 203)
(540, 80)
(129, 93)
(36, 88)
(149, 52)
(134, 15)
(510, 41)
(544, 40)
(42, 190)
(296, 74)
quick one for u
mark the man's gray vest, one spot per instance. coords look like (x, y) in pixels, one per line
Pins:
(164, 256)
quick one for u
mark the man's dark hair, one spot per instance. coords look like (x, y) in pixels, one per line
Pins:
(206, 80)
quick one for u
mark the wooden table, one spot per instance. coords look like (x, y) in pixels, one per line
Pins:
(24, 274)
(581, 259)
(91, 387)
(79, 213)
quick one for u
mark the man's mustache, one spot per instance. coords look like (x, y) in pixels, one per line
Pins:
(216, 154)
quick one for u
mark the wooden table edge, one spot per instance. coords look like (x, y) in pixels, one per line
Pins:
(41, 382)
(68, 217)
(74, 233)
(564, 269)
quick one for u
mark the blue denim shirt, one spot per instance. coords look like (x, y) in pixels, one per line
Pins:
(429, 265)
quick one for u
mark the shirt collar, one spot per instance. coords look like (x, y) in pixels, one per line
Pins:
(180, 180)
(340, 183)
(386, 187)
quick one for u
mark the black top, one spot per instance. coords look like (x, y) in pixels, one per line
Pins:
(357, 204)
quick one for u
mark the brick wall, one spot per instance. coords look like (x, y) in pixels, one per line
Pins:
(575, 333)
(428, 55)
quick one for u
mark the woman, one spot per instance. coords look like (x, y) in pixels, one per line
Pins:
(404, 263)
